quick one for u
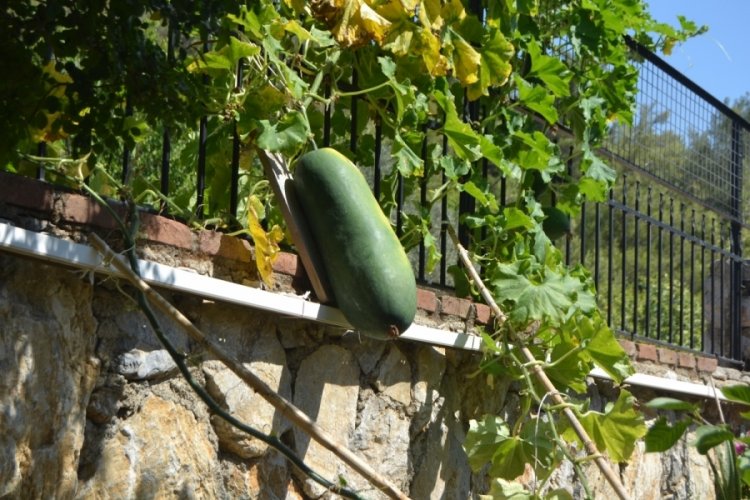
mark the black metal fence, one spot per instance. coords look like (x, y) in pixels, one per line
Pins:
(665, 250)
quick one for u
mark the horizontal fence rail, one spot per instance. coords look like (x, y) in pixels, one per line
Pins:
(665, 249)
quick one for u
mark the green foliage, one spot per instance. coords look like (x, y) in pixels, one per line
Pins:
(728, 454)
(492, 85)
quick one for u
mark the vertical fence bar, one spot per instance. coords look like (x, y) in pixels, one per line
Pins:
(682, 274)
(378, 151)
(704, 305)
(623, 253)
(713, 285)
(166, 140)
(353, 134)
(202, 140)
(234, 188)
(126, 153)
(692, 279)
(722, 310)
(671, 269)
(610, 260)
(422, 206)
(597, 245)
(444, 222)
(648, 262)
(636, 260)
(736, 241)
(659, 267)
(327, 112)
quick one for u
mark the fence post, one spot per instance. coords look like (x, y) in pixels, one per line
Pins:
(736, 244)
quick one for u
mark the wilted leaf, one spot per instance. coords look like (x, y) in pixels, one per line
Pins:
(352, 22)
(266, 244)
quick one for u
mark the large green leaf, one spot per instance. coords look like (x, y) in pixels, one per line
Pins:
(709, 436)
(662, 436)
(739, 393)
(543, 293)
(463, 140)
(483, 439)
(615, 431)
(604, 349)
(537, 98)
(489, 441)
(666, 403)
(286, 135)
(549, 70)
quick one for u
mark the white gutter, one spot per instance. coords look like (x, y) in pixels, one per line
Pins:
(59, 251)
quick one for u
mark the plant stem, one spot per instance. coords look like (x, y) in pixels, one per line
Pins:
(280, 403)
(542, 377)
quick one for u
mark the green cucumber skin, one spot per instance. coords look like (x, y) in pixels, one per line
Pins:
(371, 278)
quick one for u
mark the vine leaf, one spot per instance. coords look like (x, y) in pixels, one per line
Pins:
(490, 441)
(352, 22)
(662, 436)
(616, 430)
(285, 135)
(549, 70)
(495, 67)
(541, 294)
(266, 243)
(464, 141)
(709, 436)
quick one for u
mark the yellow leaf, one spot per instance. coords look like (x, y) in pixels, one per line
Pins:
(430, 14)
(266, 244)
(429, 48)
(352, 22)
(466, 61)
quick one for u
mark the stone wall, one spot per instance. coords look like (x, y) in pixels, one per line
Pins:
(91, 408)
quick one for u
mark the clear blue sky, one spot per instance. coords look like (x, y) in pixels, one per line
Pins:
(719, 60)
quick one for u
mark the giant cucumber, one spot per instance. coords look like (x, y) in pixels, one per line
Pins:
(371, 278)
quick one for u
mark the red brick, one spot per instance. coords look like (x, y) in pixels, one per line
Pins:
(79, 209)
(454, 306)
(167, 231)
(647, 352)
(209, 242)
(25, 192)
(685, 360)
(483, 313)
(427, 300)
(287, 263)
(629, 347)
(667, 356)
(706, 364)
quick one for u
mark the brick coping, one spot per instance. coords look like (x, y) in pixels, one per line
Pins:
(40, 200)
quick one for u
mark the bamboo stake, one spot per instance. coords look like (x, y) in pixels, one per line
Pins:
(285, 407)
(590, 446)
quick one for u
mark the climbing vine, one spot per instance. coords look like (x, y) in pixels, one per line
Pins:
(460, 93)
